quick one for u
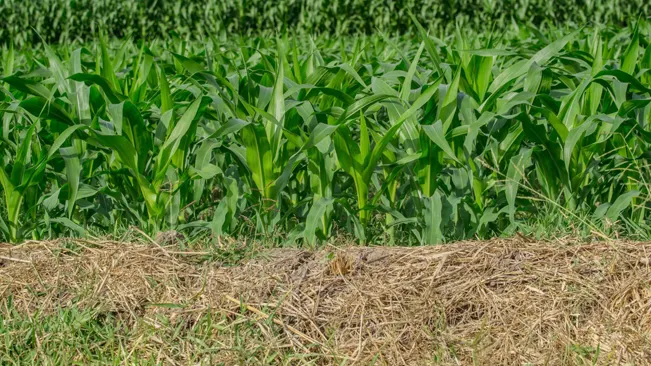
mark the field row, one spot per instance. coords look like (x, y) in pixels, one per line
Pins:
(388, 138)
(27, 22)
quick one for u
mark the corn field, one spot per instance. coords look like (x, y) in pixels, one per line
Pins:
(64, 21)
(410, 139)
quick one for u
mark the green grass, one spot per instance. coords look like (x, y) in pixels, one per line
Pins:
(395, 140)
(81, 337)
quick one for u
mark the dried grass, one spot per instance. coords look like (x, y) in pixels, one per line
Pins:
(499, 302)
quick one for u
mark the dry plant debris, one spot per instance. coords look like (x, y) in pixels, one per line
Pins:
(499, 302)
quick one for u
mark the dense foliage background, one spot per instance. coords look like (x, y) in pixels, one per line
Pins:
(67, 20)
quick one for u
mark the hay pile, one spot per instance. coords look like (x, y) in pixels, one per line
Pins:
(495, 302)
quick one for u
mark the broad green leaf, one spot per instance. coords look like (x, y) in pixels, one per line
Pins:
(436, 134)
(514, 176)
(406, 85)
(520, 68)
(429, 44)
(432, 216)
(22, 158)
(73, 171)
(259, 157)
(112, 95)
(41, 108)
(173, 141)
(165, 94)
(620, 204)
(313, 219)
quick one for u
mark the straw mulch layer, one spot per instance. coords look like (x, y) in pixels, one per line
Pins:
(495, 302)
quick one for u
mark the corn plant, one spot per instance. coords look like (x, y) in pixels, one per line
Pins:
(398, 139)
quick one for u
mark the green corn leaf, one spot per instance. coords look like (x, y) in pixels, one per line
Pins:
(277, 105)
(73, 172)
(514, 175)
(429, 44)
(259, 157)
(436, 134)
(432, 215)
(449, 106)
(107, 66)
(63, 137)
(28, 86)
(316, 91)
(314, 217)
(584, 129)
(347, 151)
(135, 129)
(360, 104)
(165, 94)
(620, 204)
(520, 68)
(173, 141)
(406, 85)
(129, 157)
(630, 55)
(233, 125)
(40, 107)
(320, 132)
(70, 225)
(104, 84)
(364, 138)
(22, 158)
(378, 151)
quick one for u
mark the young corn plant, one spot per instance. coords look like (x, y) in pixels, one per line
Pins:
(301, 138)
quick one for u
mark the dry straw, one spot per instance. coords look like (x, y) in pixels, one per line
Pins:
(497, 302)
